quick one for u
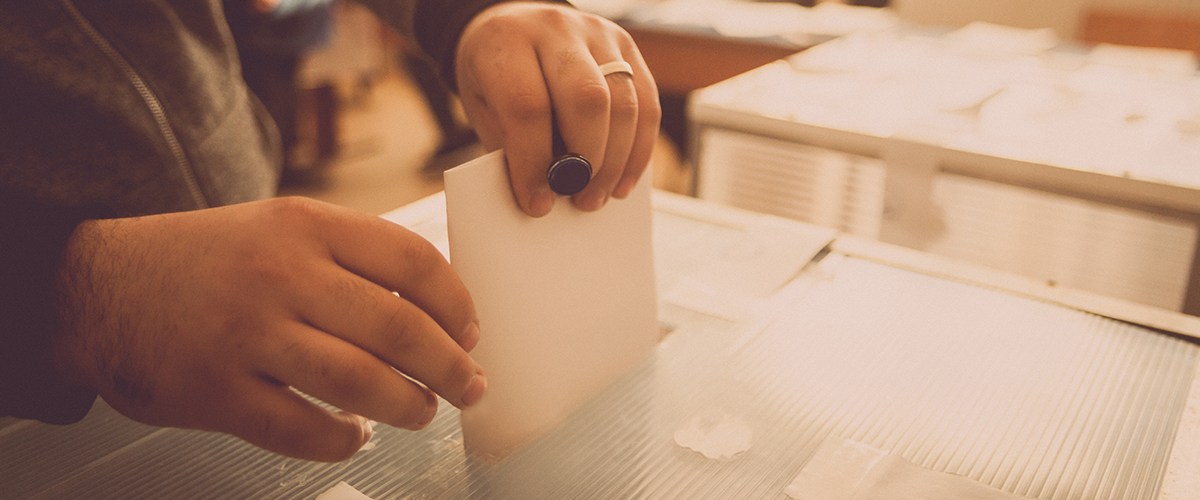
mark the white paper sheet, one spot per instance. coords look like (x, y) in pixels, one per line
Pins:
(737, 284)
(342, 491)
(848, 470)
(566, 302)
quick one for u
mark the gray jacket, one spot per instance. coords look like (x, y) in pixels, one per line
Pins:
(117, 108)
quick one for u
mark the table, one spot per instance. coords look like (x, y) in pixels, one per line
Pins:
(1026, 387)
(689, 45)
(683, 60)
(1035, 160)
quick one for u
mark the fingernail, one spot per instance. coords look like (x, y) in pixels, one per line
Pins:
(470, 337)
(368, 429)
(542, 203)
(475, 388)
(431, 408)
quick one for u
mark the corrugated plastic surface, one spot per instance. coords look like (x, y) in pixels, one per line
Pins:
(1029, 397)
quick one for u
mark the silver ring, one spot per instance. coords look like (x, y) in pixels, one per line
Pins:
(616, 67)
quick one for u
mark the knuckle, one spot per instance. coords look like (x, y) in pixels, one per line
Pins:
(460, 371)
(651, 112)
(493, 26)
(494, 31)
(354, 294)
(421, 253)
(591, 100)
(622, 38)
(556, 19)
(422, 263)
(528, 106)
(297, 209)
(350, 382)
(257, 263)
(625, 107)
(400, 330)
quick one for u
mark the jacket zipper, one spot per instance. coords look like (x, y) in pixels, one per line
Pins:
(151, 100)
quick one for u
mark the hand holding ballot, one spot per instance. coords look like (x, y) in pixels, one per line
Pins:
(522, 66)
(258, 299)
(151, 266)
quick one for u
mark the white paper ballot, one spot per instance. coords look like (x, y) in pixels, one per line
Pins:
(566, 302)
(847, 470)
(342, 491)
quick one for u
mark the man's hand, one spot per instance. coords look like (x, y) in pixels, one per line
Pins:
(519, 61)
(207, 319)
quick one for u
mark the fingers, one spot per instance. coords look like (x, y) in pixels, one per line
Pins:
(398, 260)
(633, 118)
(424, 330)
(362, 316)
(611, 120)
(622, 130)
(506, 98)
(341, 374)
(221, 310)
(597, 114)
(277, 419)
(649, 116)
(581, 100)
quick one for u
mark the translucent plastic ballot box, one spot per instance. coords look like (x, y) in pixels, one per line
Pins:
(1004, 147)
(778, 337)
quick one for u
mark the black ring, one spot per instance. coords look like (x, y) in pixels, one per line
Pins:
(569, 174)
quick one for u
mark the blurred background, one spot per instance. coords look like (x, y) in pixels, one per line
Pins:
(1055, 139)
